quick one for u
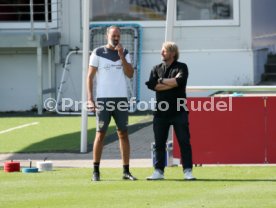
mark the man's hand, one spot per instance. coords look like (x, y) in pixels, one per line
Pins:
(128, 70)
(120, 50)
(91, 106)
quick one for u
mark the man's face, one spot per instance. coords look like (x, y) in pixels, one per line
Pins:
(166, 55)
(113, 37)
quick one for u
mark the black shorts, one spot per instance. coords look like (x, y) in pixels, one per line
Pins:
(111, 107)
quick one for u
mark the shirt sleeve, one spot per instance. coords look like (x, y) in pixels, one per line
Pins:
(153, 79)
(128, 58)
(94, 59)
(183, 76)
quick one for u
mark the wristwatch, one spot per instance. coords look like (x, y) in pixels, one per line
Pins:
(160, 80)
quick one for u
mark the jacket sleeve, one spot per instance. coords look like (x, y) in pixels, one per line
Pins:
(182, 79)
(153, 79)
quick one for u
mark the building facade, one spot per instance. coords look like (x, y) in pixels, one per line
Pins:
(224, 42)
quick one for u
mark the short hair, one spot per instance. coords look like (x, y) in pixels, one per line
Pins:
(112, 27)
(172, 47)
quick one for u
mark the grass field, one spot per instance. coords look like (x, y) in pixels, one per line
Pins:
(217, 187)
(51, 134)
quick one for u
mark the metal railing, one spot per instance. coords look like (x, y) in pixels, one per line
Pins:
(257, 88)
(45, 14)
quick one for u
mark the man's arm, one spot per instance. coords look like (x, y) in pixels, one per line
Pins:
(127, 67)
(153, 80)
(89, 85)
(162, 87)
(167, 83)
(170, 82)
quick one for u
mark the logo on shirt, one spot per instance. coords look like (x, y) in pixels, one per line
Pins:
(112, 66)
(107, 66)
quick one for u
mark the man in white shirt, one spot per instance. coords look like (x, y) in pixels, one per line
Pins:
(110, 64)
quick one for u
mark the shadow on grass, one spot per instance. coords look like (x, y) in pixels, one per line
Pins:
(131, 129)
(66, 143)
(70, 143)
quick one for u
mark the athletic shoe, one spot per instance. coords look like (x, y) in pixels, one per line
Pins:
(128, 176)
(96, 176)
(157, 175)
(188, 174)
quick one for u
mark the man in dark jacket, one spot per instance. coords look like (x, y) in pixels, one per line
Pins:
(169, 80)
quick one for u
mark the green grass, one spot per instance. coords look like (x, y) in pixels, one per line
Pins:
(52, 134)
(217, 187)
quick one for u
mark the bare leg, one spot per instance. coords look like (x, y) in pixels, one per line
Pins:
(124, 146)
(98, 146)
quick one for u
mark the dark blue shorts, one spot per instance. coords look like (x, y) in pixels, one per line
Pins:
(112, 107)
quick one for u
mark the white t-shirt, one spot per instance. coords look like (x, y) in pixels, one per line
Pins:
(110, 76)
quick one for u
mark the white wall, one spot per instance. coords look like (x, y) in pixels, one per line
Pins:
(207, 68)
(72, 87)
(18, 79)
(205, 37)
(216, 55)
(18, 70)
(71, 23)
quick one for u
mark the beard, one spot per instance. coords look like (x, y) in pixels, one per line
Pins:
(163, 58)
(114, 43)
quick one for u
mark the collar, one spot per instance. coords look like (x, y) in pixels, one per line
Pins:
(167, 67)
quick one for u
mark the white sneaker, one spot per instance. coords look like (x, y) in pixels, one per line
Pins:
(157, 175)
(188, 174)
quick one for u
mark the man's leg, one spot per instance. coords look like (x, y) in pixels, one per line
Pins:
(124, 146)
(98, 146)
(103, 118)
(125, 152)
(97, 153)
(161, 128)
(121, 119)
(181, 128)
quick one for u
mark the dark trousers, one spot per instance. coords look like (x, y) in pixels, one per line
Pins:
(161, 126)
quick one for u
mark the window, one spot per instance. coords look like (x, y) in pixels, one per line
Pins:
(19, 10)
(128, 10)
(153, 12)
(207, 12)
(15, 14)
(204, 10)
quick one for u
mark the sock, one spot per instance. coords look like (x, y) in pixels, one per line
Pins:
(126, 168)
(97, 167)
